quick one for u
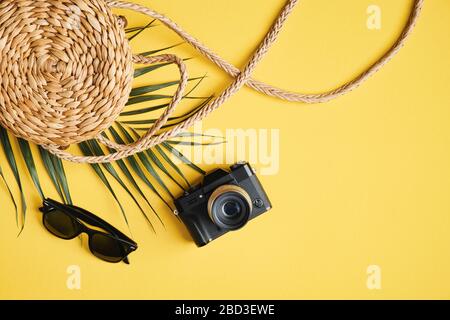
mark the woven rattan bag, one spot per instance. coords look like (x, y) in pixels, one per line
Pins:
(66, 71)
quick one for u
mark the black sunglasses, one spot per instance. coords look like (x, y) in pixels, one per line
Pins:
(64, 221)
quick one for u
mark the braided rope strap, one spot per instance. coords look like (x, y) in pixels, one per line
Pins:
(267, 42)
(241, 78)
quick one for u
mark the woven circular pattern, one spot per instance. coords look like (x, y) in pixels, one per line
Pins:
(65, 69)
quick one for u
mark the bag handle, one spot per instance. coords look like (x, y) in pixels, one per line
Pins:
(241, 78)
(129, 149)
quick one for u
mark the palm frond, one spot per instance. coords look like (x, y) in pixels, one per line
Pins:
(7, 148)
(139, 172)
(155, 87)
(144, 70)
(61, 177)
(154, 168)
(47, 161)
(147, 164)
(135, 29)
(131, 179)
(9, 190)
(86, 151)
(152, 52)
(144, 110)
(31, 166)
(96, 150)
(173, 165)
(139, 31)
(173, 121)
(184, 159)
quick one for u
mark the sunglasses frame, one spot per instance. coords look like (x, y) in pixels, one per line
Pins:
(85, 216)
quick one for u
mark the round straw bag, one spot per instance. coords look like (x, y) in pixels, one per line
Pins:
(66, 71)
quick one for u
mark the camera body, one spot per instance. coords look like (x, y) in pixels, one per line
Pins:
(225, 201)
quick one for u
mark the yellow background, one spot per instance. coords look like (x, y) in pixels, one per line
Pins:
(363, 180)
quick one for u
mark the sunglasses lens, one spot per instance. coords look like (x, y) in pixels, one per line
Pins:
(106, 247)
(61, 224)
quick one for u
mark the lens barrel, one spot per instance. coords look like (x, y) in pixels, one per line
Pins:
(229, 207)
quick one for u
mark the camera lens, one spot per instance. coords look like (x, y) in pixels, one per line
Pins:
(229, 207)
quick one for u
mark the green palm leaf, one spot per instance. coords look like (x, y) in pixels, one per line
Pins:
(177, 119)
(51, 171)
(138, 171)
(131, 179)
(137, 168)
(61, 177)
(152, 97)
(152, 52)
(87, 152)
(147, 164)
(151, 155)
(144, 110)
(147, 98)
(7, 148)
(164, 105)
(97, 151)
(144, 70)
(180, 156)
(9, 190)
(155, 87)
(141, 30)
(29, 162)
(134, 29)
(173, 165)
